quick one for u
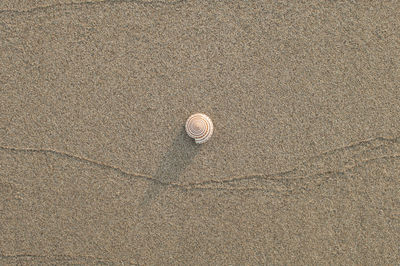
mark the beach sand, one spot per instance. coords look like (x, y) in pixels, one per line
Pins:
(303, 166)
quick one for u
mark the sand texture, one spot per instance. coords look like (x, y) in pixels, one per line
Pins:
(303, 166)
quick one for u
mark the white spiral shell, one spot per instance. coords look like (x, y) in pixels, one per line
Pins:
(199, 127)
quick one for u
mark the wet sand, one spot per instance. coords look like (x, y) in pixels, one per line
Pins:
(303, 166)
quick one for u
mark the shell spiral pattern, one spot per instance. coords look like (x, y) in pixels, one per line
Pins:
(199, 127)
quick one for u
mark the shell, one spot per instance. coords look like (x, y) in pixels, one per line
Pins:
(200, 127)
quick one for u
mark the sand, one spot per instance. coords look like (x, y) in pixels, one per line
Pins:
(303, 166)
